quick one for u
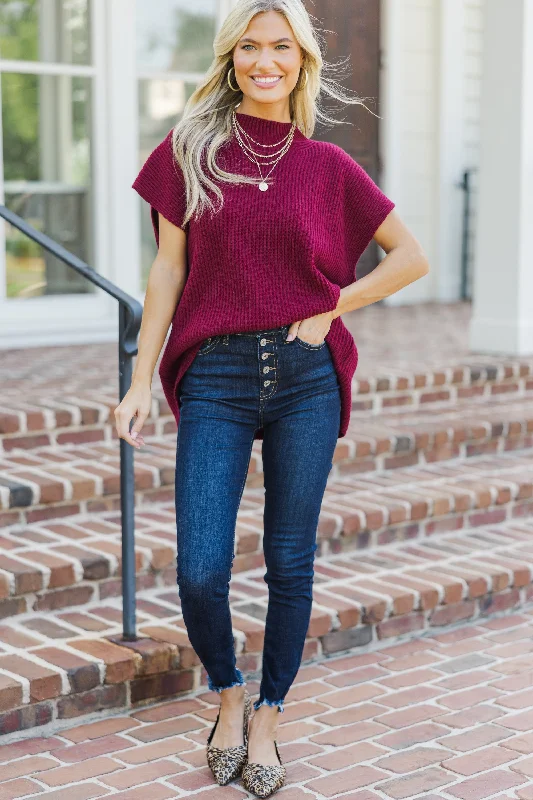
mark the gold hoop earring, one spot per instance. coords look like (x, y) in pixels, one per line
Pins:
(306, 78)
(238, 89)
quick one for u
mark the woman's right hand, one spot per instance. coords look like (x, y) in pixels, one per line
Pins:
(137, 402)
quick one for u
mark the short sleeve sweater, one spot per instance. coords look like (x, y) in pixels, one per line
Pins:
(266, 259)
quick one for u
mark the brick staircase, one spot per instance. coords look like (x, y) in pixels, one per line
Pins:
(426, 521)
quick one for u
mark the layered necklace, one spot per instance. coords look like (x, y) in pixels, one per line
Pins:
(250, 153)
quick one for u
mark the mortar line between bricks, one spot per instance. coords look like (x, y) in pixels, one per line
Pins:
(100, 663)
(46, 571)
(24, 682)
(40, 469)
(11, 582)
(43, 528)
(5, 496)
(62, 405)
(18, 626)
(77, 471)
(27, 484)
(40, 662)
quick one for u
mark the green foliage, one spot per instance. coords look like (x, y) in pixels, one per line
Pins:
(19, 30)
(22, 247)
(19, 40)
(20, 125)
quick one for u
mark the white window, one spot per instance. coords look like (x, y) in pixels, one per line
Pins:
(46, 113)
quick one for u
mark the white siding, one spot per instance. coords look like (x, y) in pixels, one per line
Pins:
(473, 46)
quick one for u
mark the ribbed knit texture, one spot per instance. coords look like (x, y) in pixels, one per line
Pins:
(270, 258)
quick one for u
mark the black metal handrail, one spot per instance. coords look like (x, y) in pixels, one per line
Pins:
(466, 186)
(129, 322)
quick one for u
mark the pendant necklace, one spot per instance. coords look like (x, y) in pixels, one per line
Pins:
(247, 149)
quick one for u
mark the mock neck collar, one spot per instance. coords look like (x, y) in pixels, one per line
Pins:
(267, 131)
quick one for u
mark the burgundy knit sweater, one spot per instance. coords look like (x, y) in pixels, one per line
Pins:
(270, 258)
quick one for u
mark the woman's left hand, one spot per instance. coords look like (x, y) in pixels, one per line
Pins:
(312, 330)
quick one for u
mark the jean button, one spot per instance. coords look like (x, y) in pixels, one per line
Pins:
(267, 383)
(263, 342)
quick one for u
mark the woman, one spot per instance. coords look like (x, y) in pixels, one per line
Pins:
(255, 290)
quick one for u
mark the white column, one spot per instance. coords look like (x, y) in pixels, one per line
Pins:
(503, 266)
(450, 151)
(409, 101)
(122, 139)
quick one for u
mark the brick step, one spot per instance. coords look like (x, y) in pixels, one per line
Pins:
(62, 481)
(66, 664)
(61, 562)
(76, 413)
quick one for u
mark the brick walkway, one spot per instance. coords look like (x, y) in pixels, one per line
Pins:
(426, 526)
(446, 716)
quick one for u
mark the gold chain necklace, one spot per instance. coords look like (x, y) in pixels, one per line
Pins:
(263, 186)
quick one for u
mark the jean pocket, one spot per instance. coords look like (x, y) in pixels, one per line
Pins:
(209, 344)
(309, 345)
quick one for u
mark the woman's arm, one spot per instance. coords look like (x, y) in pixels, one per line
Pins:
(166, 281)
(165, 285)
(404, 263)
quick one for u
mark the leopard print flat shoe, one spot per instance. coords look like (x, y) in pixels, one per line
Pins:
(227, 763)
(264, 779)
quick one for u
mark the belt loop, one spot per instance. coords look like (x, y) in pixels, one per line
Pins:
(225, 339)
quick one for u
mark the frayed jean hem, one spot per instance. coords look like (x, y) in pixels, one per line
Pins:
(239, 682)
(272, 703)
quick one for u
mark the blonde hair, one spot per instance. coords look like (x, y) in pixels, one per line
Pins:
(205, 125)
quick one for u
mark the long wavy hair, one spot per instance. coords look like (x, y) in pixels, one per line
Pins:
(205, 125)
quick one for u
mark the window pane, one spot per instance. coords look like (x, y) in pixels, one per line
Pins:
(45, 30)
(160, 108)
(175, 34)
(46, 124)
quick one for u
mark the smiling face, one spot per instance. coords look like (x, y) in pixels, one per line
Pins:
(267, 60)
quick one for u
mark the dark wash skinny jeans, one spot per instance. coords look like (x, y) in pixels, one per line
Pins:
(236, 384)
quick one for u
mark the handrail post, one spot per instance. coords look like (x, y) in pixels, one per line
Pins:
(130, 314)
(127, 493)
